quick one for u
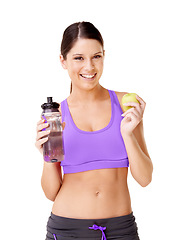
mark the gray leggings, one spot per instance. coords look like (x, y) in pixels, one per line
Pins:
(62, 228)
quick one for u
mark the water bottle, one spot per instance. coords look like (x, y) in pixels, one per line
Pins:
(53, 150)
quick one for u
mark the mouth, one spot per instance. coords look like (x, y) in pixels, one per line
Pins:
(88, 76)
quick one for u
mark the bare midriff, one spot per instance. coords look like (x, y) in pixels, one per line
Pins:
(94, 194)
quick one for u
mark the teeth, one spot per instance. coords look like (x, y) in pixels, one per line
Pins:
(87, 76)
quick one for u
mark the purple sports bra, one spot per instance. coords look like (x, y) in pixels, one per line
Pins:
(99, 149)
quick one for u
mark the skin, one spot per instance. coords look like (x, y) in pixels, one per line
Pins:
(100, 193)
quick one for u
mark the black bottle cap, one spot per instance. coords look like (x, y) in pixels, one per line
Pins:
(50, 104)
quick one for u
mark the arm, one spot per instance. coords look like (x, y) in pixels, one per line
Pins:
(51, 179)
(140, 163)
(133, 135)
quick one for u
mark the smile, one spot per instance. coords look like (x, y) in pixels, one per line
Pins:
(87, 76)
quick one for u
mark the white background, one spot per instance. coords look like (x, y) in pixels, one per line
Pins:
(142, 55)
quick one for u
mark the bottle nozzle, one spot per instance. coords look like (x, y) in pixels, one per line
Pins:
(49, 99)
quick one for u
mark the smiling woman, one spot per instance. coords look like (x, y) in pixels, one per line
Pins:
(99, 146)
(84, 63)
(81, 54)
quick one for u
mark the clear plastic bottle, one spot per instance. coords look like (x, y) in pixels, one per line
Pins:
(53, 150)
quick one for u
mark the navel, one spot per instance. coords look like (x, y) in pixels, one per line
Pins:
(97, 193)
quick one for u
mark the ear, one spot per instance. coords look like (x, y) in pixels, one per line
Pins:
(104, 52)
(63, 62)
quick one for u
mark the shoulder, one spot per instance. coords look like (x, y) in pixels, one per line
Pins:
(119, 96)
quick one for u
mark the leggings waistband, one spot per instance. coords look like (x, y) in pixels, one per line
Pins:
(64, 228)
(85, 221)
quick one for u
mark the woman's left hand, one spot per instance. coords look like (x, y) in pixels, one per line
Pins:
(133, 116)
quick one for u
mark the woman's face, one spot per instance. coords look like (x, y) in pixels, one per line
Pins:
(84, 63)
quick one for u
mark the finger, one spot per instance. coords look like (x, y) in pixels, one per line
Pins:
(137, 108)
(132, 117)
(142, 102)
(42, 126)
(134, 114)
(129, 110)
(40, 142)
(40, 121)
(134, 110)
(133, 104)
(42, 134)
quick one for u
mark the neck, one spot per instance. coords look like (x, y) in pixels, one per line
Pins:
(86, 96)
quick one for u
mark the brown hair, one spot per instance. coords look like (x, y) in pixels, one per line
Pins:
(75, 31)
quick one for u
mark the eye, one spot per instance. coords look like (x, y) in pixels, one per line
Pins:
(97, 56)
(78, 58)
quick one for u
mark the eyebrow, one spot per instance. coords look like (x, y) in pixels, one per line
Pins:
(82, 54)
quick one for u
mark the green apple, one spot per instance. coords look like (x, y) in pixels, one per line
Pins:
(129, 97)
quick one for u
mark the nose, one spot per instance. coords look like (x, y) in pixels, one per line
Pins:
(89, 65)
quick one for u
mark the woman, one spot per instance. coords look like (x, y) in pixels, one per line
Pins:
(92, 200)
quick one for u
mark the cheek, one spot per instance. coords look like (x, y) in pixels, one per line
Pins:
(100, 66)
(75, 68)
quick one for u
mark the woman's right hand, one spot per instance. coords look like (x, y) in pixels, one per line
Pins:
(42, 136)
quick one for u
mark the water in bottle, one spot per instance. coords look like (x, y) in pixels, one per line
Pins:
(53, 150)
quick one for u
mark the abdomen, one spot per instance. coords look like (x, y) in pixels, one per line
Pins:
(101, 193)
